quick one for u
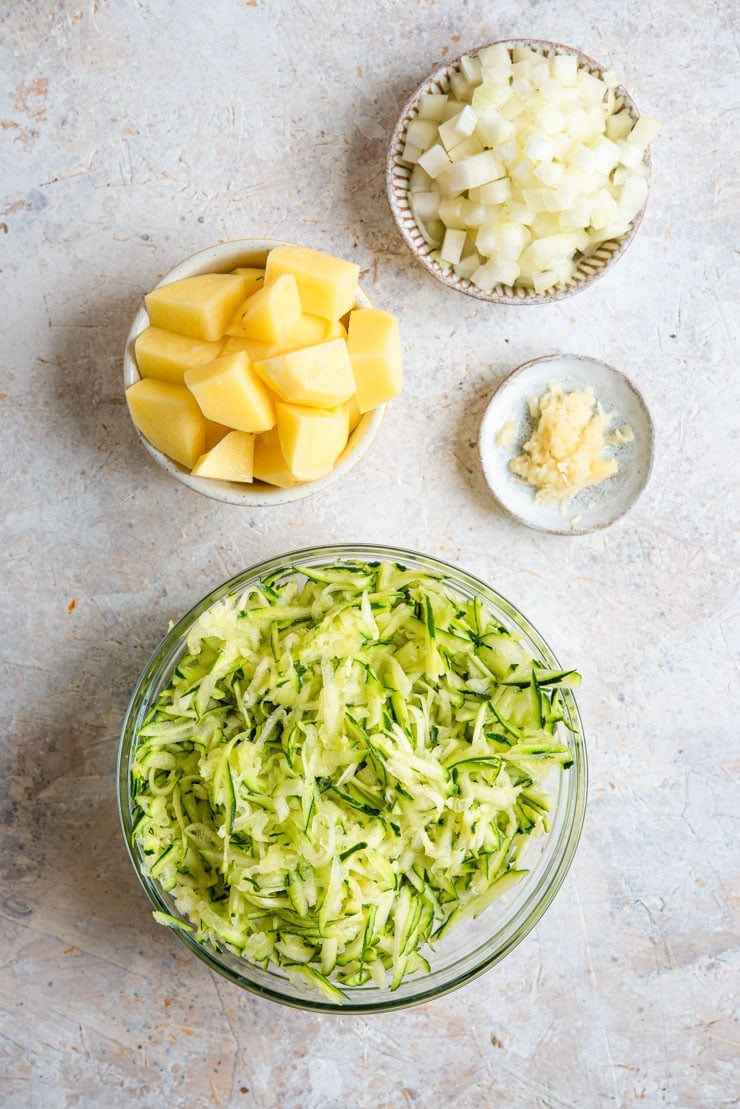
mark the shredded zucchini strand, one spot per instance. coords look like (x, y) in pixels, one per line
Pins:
(347, 760)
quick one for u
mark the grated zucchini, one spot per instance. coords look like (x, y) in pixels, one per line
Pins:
(348, 759)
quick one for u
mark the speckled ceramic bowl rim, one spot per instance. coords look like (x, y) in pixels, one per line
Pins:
(397, 188)
(223, 257)
(537, 892)
(519, 371)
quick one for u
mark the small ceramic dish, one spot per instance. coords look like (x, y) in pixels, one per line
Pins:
(590, 267)
(597, 506)
(223, 258)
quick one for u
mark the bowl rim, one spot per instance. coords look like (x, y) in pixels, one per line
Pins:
(212, 259)
(607, 252)
(526, 916)
(484, 445)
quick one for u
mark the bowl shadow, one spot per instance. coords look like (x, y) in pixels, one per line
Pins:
(65, 873)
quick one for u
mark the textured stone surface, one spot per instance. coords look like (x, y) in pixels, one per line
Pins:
(134, 133)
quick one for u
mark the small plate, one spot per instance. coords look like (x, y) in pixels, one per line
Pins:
(597, 506)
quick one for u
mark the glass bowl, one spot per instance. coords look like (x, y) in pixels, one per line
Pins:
(223, 258)
(590, 266)
(465, 951)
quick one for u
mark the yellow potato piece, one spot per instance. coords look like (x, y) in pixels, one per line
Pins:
(215, 433)
(311, 439)
(319, 376)
(271, 314)
(199, 306)
(269, 462)
(229, 392)
(167, 355)
(253, 348)
(168, 415)
(313, 329)
(231, 459)
(254, 278)
(374, 350)
(353, 413)
(327, 285)
(309, 331)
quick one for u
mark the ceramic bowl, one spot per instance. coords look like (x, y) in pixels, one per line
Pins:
(597, 506)
(223, 258)
(589, 268)
(473, 945)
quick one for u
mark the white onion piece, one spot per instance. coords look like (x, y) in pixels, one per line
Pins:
(452, 246)
(465, 149)
(421, 133)
(477, 170)
(434, 160)
(432, 105)
(468, 265)
(526, 162)
(426, 205)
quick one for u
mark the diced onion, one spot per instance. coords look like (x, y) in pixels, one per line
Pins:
(452, 245)
(525, 164)
(432, 105)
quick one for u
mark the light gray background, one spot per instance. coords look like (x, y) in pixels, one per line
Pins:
(131, 135)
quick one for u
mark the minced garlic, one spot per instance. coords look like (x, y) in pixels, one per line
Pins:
(506, 435)
(620, 435)
(564, 453)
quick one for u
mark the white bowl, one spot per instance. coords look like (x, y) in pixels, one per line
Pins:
(221, 259)
(398, 172)
(597, 506)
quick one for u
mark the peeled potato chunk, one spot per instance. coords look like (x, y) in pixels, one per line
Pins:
(353, 412)
(318, 376)
(311, 439)
(166, 355)
(231, 459)
(309, 331)
(214, 433)
(229, 392)
(200, 306)
(168, 415)
(374, 350)
(271, 314)
(254, 278)
(269, 461)
(327, 285)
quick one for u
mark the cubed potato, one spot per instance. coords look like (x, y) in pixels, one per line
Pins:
(168, 415)
(315, 329)
(269, 462)
(309, 331)
(353, 412)
(375, 353)
(254, 278)
(215, 433)
(167, 355)
(327, 285)
(271, 314)
(253, 348)
(201, 306)
(230, 392)
(319, 376)
(231, 459)
(311, 439)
